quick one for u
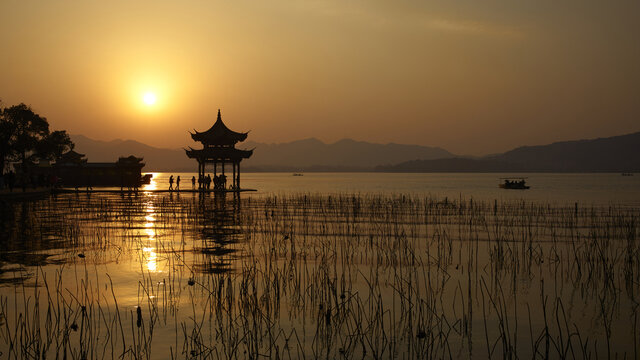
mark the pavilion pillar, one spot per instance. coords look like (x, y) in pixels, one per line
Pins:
(201, 172)
(215, 169)
(233, 179)
(224, 184)
(238, 180)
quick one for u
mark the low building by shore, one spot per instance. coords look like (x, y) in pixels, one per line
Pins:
(73, 170)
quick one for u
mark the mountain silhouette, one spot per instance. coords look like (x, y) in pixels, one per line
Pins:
(346, 153)
(612, 154)
(301, 155)
(155, 159)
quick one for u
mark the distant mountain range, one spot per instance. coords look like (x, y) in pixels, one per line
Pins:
(613, 154)
(301, 155)
(156, 159)
(312, 154)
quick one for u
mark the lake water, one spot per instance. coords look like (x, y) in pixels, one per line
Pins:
(331, 265)
(556, 188)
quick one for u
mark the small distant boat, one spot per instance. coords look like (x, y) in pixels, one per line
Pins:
(627, 174)
(297, 174)
(514, 183)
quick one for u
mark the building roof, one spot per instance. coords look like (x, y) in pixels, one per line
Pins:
(129, 160)
(219, 153)
(219, 134)
(72, 157)
(102, 165)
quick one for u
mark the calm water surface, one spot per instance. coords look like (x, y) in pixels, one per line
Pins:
(555, 188)
(327, 265)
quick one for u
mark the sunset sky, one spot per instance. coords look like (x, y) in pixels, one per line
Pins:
(473, 77)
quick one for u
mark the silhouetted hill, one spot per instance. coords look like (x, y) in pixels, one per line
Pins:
(312, 153)
(301, 155)
(451, 165)
(156, 159)
(613, 154)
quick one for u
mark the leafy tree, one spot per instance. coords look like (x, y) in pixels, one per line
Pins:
(53, 145)
(6, 134)
(25, 136)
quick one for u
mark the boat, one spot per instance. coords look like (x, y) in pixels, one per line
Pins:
(514, 183)
(297, 174)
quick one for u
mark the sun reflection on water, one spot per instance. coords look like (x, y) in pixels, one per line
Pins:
(149, 255)
(152, 185)
(151, 259)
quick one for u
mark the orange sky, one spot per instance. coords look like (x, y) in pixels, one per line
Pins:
(473, 77)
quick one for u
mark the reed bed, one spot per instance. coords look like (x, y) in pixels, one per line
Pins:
(317, 276)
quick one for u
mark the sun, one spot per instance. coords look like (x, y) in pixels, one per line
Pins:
(149, 98)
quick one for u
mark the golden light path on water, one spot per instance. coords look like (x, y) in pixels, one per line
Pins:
(149, 255)
(153, 185)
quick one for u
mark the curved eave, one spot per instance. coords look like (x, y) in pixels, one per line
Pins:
(229, 138)
(233, 154)
(191, 153)
(246, 153)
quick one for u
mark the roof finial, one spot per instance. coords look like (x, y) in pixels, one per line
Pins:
(219, 117)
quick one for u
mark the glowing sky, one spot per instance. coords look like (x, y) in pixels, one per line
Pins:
(473, 77)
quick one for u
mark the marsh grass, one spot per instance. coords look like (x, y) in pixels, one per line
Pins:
(318, 276)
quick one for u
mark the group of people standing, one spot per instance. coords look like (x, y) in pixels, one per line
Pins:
(177, 183)
(204, 182)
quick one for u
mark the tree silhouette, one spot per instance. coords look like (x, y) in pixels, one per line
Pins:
(6, 133)
(53, 145)
(25, 136)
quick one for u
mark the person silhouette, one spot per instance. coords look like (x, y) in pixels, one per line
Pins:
(193, 183)
(171, 182)
(178, 183)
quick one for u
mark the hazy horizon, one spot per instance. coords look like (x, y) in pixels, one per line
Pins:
(472, 78)
(240, 145)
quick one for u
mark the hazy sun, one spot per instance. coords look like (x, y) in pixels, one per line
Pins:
(149, 98)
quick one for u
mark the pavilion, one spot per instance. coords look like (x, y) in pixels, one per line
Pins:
(219, 148)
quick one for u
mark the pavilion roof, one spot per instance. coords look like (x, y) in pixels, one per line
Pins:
(219, 153)
(218, 134)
